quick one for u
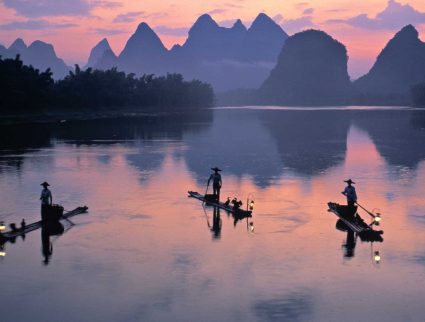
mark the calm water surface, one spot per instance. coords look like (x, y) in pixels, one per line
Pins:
(147, 252)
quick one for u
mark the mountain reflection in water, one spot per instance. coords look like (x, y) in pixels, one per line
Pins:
(148, 252)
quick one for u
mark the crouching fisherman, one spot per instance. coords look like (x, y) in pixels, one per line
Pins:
(46, 201)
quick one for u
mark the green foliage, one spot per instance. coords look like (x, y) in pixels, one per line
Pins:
(87, 90)
(23, 88)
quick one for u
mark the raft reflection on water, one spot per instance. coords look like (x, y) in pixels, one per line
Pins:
(216, 226)
(349, 245)
(49, 229)
(53, 228)
(217, 222)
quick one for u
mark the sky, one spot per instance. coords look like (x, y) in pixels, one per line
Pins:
(75, 26)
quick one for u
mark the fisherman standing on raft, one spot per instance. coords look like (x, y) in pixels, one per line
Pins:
(46, 200)
(216, 179)
(350, 193)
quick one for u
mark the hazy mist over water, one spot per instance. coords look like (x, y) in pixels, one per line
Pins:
(146, 252)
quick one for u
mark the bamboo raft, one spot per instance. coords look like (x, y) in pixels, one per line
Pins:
(236, 211)
(355, 223)
(11, 234)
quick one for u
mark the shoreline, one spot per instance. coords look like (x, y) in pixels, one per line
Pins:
(63, 117)
(47, 117)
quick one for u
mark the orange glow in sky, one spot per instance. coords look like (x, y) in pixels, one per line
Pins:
(75, 26)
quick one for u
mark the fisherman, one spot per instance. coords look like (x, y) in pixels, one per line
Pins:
(46, 200)
(350, 193)
(216, 179)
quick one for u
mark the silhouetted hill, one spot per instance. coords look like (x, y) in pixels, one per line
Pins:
(97, 53)
(204, 38)
(263, 40)
(3, 50)
(227, 58)
(39, 54)
(207, 41)
(108, 60)
(230, 58)
(143, 53)
(399, 66)
(42, 56)
(311, 70)
(17, 47)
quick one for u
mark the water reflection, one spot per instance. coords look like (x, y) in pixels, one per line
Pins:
(216, 224)
(350, 241)
(48, 230)
(295, 306)
(238, 216)
(264, 145)
(309, 143)
(240, 144)
(148, 251)
(22, 140)
(399, 137)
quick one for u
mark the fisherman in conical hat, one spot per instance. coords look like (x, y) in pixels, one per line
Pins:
(350, 193)
(216, 180)
(46, 200)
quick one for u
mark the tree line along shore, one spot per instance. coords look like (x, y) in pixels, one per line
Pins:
(27, 90)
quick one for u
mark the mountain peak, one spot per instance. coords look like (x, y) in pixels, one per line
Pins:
(206, 19)
(98, 52)
(102, 45)
(18, 45)
(399, 66)
(311, 70)
(408, 31)
(263, 24)
(42, 48)
(143, 27)
(146, 35)
(103, 42)
(263, 19)
(204, 22)
(405, 40)
(142, 47)
(238, 25)
(41, 44)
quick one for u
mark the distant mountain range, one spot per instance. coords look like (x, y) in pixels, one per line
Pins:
(39, 54)
(308, 68)
(312, 70)
(225, 57)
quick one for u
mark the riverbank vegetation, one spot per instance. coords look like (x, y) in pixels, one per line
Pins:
(26, 89)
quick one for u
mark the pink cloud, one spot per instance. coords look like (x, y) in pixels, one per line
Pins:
(393, 17)
(44, 8)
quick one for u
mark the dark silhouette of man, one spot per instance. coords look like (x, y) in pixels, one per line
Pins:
(46, 200)
(216, 180)
(350, 193)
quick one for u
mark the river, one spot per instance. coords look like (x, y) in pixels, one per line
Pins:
(147, 252)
